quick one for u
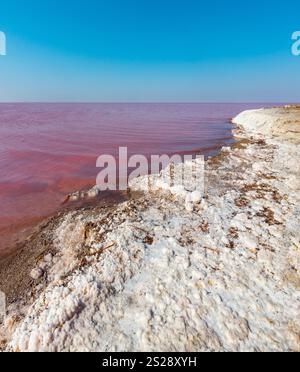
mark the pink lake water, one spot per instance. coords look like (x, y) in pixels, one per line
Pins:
(50, 150)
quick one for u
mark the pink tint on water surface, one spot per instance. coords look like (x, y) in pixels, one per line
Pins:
(50, 150)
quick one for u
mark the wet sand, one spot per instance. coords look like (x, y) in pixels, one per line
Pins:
(37, 241)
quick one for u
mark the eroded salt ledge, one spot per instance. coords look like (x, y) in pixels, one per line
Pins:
(171, 272)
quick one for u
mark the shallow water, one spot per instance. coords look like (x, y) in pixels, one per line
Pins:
(50, 150)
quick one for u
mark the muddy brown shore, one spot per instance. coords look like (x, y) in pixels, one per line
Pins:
(16, 266)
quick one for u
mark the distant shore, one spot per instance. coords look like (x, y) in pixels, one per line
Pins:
(165, 271)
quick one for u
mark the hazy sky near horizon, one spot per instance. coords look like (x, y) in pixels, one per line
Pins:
(149, 50)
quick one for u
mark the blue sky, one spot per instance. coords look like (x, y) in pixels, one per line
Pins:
(149, 50)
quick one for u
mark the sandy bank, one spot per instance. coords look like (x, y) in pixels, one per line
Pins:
(282, 123)
(171, 272)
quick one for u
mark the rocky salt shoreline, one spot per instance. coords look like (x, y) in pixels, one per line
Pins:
(169, 271)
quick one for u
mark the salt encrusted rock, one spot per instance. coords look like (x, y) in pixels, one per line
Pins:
(178, 191)
(226, 149)
(74, 197)
(80, 195)
(42, 265)
(189, 206)
(36, 273)
(93, 193)
(48, 258)
(196, 197)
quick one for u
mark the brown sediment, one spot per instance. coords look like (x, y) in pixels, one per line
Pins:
(15, 233)
(16, 265)
(15, 280)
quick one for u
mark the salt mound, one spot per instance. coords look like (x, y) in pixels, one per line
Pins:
(281, 122)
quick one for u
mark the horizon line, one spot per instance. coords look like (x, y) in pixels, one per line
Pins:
(149, 102)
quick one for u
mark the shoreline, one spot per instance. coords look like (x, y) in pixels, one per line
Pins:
(15, 235)
(38, 172)
(20, 259)
(218, 273)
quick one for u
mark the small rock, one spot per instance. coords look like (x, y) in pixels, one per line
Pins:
(74, 197)
(48, 258)
(189, 206)
(226, 149)
(42, 265)
(36, 273)
(188, 198)
(92, 193)
(196, 197)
